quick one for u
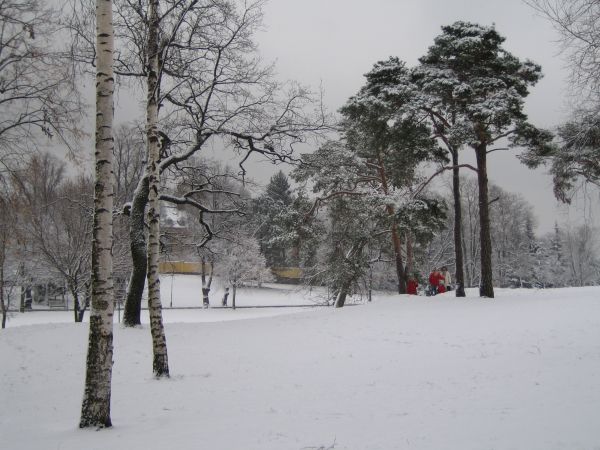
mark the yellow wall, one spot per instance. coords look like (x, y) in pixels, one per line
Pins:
(293, 273)
(287, 272)
(179, 267)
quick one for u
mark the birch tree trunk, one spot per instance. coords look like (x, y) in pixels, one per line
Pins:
(95, 409)
(160, 363)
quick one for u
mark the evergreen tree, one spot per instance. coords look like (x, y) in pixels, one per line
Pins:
(275, 212)
(532, 254)
(382, 129)
(574, 158)
(354, 225)
(489, 86)
(364, 214)
(278, 190)
(554, 267)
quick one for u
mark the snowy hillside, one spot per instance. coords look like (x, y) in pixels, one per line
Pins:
(517, 372)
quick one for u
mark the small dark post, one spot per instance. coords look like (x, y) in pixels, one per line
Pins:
(224, 302)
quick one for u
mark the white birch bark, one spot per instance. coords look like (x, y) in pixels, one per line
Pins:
(95, 410)
(160, 362)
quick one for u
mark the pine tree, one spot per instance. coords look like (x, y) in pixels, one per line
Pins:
(352, 229)
(574, 159)
(362, 215)
(489, 86)
(382, 129)
(278, 190)
(269, 208)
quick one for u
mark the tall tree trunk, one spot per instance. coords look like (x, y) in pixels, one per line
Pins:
(139, 257)
(22, 287)
(409, 255)
(206, 283)
(347, 279)
(160, 363)
(225, 295)
(86, 303)
(458, 248)
(76, 308)
(486, 287)
(95, 409)
(397, 245)
(400, 272)
(22, 298)
(234, 289)
(3, 305)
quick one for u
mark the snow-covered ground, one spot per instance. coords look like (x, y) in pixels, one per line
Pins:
(518, 372)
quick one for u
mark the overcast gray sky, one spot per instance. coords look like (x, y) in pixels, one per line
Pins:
(334, 42)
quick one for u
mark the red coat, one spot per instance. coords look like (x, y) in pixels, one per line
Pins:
(411, 287)
(437, 280)
(433, 278)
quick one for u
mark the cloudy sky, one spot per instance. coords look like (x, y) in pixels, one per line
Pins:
(334, 42)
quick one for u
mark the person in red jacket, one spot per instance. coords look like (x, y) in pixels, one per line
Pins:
(434, 282)
(412, 285)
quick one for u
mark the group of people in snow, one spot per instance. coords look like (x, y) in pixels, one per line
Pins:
(440, 281)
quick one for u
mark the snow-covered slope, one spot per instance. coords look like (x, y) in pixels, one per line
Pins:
(517, 372)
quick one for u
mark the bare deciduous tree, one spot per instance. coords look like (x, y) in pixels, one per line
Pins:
(56, 221)
(211, 87)
(8, 221)
(37, 94)
(577, 23)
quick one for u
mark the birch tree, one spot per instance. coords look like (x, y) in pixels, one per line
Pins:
(160, 364)
(212, 87)
(95, 410)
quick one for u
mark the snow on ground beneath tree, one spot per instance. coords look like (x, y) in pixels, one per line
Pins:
(517, 372)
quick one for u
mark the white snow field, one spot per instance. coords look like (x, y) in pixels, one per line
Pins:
(519, 372)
